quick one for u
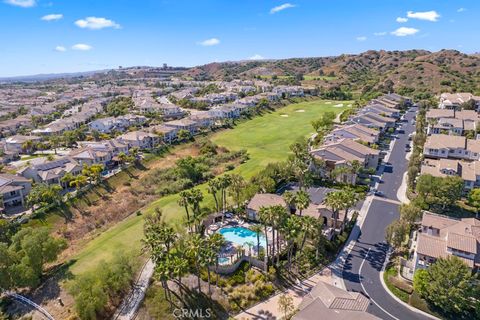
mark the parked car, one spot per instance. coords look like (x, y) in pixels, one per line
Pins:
(379, 193)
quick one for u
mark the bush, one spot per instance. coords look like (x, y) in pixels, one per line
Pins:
(95, 290)
(400, 284)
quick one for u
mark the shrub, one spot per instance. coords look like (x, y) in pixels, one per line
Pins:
(400, 284)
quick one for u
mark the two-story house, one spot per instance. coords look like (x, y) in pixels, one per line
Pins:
(13, 190)
(443, 236)
(450, 146)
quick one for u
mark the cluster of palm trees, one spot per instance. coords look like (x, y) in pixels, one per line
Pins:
(344, 199)
(190, 200)
(177, 254)
(294, 229)
(90, 175)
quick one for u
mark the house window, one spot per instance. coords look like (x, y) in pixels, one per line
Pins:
(12, 193)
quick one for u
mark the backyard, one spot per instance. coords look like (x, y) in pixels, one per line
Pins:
(266, 138)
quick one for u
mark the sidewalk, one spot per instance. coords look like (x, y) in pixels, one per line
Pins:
(131, 303)
(268, 309)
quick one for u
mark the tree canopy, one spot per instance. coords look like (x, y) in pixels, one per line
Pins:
(450, 286)
(22, 262)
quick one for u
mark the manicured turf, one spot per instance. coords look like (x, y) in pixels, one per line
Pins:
(266, 138)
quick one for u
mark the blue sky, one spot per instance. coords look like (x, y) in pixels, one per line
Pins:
(51, 36)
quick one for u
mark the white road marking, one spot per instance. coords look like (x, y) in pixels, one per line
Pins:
(365, 290)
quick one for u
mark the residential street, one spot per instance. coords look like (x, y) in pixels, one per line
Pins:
(364, 263)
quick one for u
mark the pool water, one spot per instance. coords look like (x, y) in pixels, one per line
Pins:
(242, 235)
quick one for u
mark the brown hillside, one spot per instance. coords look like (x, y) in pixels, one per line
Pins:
(411, 72)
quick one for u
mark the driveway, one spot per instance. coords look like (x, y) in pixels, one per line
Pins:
(363, 265)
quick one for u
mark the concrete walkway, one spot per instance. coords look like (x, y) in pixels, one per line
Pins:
(268, 309)
(129, 307)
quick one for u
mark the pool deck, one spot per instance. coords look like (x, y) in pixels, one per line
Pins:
(239, 223)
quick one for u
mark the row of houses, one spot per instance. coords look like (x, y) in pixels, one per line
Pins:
(354, 141)
(451, 148)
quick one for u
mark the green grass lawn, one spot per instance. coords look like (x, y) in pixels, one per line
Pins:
(266, 138)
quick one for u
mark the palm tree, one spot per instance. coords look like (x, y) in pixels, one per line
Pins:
(265, 217)
(195, 245)
(257, 228)
(184, 201)
(237, 185)
(122, 158)
(334, 200)
(213, 188)
(216, 242)
(279, 217)
(302, 201)
(309, 228)
(55, 142)
(350, 199)
(290, 198)
(224, 182)
(291, 229)
(67, 178)
(196, 197)
(78, 182)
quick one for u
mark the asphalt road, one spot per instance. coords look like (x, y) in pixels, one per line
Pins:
(362, 268)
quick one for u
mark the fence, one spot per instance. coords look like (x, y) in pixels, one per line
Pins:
(227, 269)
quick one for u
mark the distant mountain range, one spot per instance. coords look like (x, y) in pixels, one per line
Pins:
(50, 76)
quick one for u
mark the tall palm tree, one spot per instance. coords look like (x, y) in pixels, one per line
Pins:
(195, 249)
(334, 200)
(290, 198)
(224, 182)
(237, 185)
(216, 242)
(257, 228)
(291, 229)
(196, 197)
(309, 228)
(350, 199)
(265, 218)
(279, 217)
(184, 202)
(213, 188)
(302, 201)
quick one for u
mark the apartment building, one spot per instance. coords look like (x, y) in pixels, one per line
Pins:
(451, 147)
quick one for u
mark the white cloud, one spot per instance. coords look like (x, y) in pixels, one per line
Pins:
(401, 20)
(22, 3)
(404, 31)
(52, 17)
(256, 57)
(82, 47)
(60, 49)
(426, 15)
(361, 38)
(383, 33)
(461, 9)
(281, 7)
(96, 23)
(209, 42)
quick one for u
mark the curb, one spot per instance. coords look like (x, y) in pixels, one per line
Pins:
(384, 285)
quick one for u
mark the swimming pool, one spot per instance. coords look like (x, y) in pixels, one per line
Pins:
(242, 235)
